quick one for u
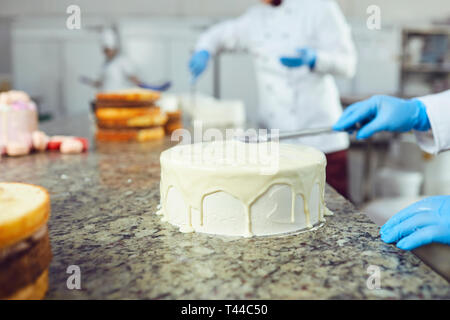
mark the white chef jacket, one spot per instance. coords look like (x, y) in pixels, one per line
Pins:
(292, 99)
(115, 74)
(438, 110)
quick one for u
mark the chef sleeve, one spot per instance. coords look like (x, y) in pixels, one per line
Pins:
(128, 67)
(336, 52)
(231, 35)
(438, 110)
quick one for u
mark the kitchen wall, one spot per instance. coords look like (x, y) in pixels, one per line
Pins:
(158, 29)
(5, 45)
(398, 11)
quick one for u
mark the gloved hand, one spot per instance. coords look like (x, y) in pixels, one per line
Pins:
(306, 57)
(383, 113)
(198, 63)
(422, 223)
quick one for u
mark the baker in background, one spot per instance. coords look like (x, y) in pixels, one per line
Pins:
(428, 220)
(118, 72)
(297, 46)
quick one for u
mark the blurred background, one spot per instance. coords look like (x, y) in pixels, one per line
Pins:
(408, 57)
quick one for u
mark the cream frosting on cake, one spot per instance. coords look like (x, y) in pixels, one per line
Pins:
(18, 120)
(238, 189)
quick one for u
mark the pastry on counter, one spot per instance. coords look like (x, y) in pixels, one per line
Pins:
(117, 118)
(25, 251)
(126, 135)
(171, 106)
(129, 115)
(19, 134)
(238, 189)
(174, 121)
(133, 94)
(123, 104)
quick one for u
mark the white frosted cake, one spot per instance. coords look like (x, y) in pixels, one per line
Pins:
(238, 189)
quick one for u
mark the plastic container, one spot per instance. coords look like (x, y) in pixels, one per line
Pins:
(381, 210)
(16, 128)
(391, 182)
(437, 175)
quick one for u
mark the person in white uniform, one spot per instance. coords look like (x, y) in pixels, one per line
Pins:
(298, 47)
(118, 72)
(428, 220)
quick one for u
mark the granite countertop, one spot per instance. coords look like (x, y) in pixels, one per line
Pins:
(103, 220)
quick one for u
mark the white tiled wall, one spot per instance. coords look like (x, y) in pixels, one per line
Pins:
(392, 11)
(146, 21)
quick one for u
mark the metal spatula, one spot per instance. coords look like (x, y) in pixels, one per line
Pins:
(284, 135)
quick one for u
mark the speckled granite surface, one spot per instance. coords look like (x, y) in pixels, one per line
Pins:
(103, 220)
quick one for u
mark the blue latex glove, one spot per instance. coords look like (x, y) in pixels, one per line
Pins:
(306, 57)
(198, 63)
(383, 113)
(422, 223)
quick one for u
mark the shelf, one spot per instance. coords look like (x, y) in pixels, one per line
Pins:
(427, 31)
(426, 68)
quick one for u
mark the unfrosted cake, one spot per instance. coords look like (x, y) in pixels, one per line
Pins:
(18, 121)
(25, 251)
(238, 189)
(129, 115)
